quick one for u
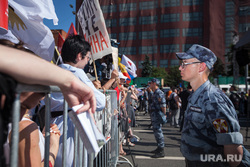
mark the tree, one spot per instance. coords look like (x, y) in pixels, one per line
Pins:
(146, 67)
(159, 72)
(219, 69)
(173, 77)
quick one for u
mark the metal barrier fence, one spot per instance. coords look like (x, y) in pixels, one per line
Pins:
(107, 122)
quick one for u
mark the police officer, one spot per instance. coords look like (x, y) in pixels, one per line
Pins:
(158, 116)
(210, 126)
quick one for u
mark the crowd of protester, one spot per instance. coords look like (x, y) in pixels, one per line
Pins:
(75, 55)
(78, 86)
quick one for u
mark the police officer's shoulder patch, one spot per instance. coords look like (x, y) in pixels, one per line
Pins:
(220, 125)
(195, 109)
(159, 99)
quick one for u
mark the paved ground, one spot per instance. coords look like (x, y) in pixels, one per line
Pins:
(140, 154)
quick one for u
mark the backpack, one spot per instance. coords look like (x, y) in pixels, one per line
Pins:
(172, 103)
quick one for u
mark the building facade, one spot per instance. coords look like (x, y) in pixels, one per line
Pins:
(160, 28)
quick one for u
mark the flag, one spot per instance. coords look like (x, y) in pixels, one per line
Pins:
(26, 23)
(60, 42)
(94, 29)
(9, 36)
(4, 16)
(123, 70)
(130, 66)
(71, 31)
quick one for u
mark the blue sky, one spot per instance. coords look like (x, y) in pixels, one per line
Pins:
(64, 14)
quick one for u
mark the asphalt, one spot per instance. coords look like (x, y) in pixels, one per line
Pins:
(140, 156)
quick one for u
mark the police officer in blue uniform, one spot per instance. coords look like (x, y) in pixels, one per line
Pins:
(211, 132)
(158, 116)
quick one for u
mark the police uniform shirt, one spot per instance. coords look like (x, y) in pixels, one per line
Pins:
(210, 122)
(157, 100)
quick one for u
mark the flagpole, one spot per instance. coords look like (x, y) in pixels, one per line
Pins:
(96, 77)
(58, 54)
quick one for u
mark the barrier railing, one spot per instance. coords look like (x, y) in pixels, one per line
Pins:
(106, 120)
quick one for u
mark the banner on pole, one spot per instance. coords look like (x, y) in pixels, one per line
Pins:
(94, 29)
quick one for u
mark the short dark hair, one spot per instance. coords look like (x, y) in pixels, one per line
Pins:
(174, 88)
(74, 45)
(234, 88)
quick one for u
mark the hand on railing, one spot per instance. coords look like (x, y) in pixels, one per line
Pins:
(54, 142)
(78, 93)
(45, 73)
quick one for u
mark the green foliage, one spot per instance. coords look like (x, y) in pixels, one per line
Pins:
(173, 77)
(218, 68)
(146, 67)
(159, 72)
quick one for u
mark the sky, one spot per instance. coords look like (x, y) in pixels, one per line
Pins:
(64, 14)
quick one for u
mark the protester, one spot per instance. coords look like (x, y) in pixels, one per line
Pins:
(210, 124)
(75, 55)
(235, 98)
(114, 78)
(184, 101)
(43, 73)
(158, 113)
(243, 104)
(31, 143)
(174, 107)
(123, 117)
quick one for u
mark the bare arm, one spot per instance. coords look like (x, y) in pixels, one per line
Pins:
(232, 151)
(29, 69)
(54, 143)
(124, 95)
(29, 149)
(114, 76)
(108, 84)
(97, 84)
(133, 95)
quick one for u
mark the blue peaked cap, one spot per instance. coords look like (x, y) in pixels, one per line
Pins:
(156, 81)
(201, 53)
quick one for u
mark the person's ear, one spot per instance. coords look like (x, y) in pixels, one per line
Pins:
(78, 57)
(202, 67)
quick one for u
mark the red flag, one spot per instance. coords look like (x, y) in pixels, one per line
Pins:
(72, 30)
(60, 42)
(4, 16)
